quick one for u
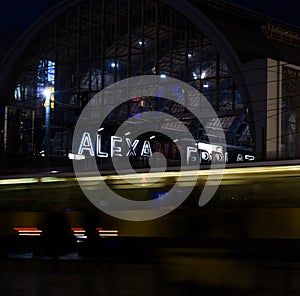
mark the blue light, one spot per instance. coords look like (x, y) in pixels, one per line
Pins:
(177, 90)
(158, 91)
(158, 194)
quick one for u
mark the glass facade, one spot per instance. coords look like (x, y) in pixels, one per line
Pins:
(290, 112)
(99, 42)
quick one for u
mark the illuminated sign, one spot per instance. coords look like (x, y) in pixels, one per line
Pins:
(202, 153)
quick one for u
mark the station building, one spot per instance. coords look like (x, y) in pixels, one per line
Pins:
(246, 65)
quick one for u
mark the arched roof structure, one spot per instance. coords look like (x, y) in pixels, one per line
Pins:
(237, 35)
(191, 11)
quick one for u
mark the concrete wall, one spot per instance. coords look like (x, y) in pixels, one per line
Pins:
(264, 81)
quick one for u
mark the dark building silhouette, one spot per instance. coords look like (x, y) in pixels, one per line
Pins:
(245, 64)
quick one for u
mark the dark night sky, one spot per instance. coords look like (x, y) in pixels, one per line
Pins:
(286, 11)
(17, 15)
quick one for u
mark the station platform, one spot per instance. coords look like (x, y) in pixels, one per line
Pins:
(156, 267)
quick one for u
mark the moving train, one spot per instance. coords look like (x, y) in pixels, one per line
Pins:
(255, 200)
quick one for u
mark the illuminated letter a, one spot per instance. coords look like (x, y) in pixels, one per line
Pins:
(86, 144)
(146, 151)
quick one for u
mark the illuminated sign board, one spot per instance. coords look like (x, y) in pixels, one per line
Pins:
(200, 152)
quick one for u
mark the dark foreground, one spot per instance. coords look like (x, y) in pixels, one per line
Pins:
(123, 266)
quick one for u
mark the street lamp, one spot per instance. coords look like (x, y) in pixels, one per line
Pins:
(48, 92)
